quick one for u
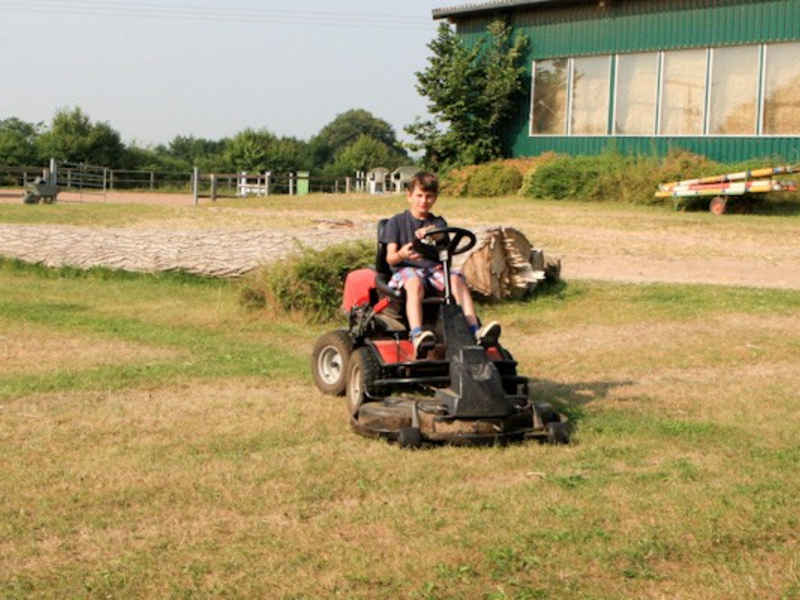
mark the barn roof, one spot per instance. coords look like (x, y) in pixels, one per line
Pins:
(499, 5)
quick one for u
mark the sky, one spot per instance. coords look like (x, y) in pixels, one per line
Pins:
(156, 69)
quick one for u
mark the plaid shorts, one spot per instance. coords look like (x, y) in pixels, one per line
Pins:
(434, 277)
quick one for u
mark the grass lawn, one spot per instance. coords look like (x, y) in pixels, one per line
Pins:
(159, 440)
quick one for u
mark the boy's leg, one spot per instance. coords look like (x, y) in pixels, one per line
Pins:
(415, 292)
(464, 299)
(423, 340)
(486, 335)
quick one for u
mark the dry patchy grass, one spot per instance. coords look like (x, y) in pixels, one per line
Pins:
(27, 348)
(219, 471)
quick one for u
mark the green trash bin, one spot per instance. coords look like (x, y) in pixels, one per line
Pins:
(302, 183)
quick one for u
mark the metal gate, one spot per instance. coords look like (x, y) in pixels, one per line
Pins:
(80, 178)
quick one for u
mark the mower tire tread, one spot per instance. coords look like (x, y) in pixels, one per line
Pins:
(362, 372)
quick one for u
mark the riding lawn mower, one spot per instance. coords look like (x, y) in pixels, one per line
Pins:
(460, 392)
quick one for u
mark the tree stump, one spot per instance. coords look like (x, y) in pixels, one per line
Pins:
(504, 264)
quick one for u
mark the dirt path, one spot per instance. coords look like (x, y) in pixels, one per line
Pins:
(215, 253)
(606, 251)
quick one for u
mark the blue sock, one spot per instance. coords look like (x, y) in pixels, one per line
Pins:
(415, 332)
(473, 329)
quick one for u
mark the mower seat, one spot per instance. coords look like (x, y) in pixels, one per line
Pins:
(383, 272)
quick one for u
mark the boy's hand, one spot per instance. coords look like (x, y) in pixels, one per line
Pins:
(407, 252)
(422, 231)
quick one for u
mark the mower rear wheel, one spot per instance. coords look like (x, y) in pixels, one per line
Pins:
(330, 361)
(363, 371)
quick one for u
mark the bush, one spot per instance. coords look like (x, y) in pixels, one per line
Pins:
(494, 179)
(454, 182)
(490, 176)
(309, 284)
(613, 176)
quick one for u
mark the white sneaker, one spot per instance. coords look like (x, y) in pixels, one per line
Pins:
(423, 343)
(489, 334)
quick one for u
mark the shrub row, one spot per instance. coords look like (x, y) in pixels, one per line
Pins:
(609, 176)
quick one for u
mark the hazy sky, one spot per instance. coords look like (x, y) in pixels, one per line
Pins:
(154, 69)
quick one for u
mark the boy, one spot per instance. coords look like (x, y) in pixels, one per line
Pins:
(412, 270)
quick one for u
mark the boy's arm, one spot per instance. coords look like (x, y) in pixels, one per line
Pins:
(396, 254)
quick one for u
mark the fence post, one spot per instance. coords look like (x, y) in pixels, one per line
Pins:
(152, 180)
(348, 185)
(196, 185)
(213, 187)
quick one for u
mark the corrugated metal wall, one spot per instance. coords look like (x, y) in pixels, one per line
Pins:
(717, 148)
(639, 25)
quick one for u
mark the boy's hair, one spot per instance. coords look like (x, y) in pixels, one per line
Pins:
(427, 182)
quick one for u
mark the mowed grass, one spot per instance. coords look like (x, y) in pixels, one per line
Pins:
(159, 440)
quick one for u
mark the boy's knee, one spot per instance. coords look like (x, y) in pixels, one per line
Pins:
(457, 282)
(414, 287)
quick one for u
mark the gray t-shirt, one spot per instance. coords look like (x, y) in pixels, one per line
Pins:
(400, 230)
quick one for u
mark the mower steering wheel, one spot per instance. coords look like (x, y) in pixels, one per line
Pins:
(448, 245)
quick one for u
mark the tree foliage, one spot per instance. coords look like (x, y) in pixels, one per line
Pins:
(257, 151)
(355, 140)
(73, 137)
(17, 143)
(363, 154)
(471, 92)
(347, 135)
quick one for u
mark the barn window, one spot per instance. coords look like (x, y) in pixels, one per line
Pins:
(549, 105)
(683, 92)
(589, 100)
(733, 105)
(782, 89)
(731, 90)
(636, 94)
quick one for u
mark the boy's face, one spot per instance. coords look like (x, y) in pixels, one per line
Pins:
(420, 201)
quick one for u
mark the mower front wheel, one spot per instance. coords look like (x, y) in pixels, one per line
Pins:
(330, 361)
(409, 437)
(558, 432)
(362, 373)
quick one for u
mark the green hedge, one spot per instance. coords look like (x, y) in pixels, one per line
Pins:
(308, 284)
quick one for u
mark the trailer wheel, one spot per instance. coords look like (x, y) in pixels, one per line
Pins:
(718, 206)
(330, 360)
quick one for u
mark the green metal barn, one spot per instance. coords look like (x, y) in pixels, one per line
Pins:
(717, 77)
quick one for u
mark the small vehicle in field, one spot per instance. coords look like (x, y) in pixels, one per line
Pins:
(40, 191)
(459, 393)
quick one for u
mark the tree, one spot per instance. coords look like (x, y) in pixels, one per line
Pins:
(345, 129)
(472, 93)
(18, 143)
(192, 151)
(363, 154)
(73, 137)
(259, 151)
